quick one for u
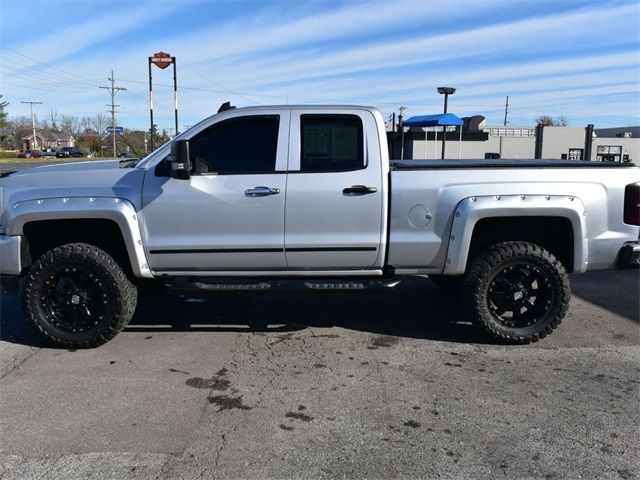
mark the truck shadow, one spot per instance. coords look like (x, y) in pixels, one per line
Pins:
(416, 310)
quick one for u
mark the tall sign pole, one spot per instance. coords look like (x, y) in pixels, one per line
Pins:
(151, 106)
(162, 60)
(175, 92)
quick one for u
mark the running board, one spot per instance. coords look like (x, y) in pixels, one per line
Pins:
(205, 286)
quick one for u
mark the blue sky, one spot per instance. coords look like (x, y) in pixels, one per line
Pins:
(565, 57)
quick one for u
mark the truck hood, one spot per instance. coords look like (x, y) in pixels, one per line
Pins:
(108, 178)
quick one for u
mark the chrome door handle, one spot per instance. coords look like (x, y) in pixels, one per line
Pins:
(261, 191)
(359, 190)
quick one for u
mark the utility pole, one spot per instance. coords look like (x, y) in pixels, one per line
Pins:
(506, 111)
(33, 124)
(113, 106)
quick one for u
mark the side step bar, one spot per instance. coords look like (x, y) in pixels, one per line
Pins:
(201, 286)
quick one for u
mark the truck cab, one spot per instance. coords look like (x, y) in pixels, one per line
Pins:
(283, 190)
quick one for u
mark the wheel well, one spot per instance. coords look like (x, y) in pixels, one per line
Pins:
(43, 235)
(554, 234)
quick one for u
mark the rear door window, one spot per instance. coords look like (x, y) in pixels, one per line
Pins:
(331, 143)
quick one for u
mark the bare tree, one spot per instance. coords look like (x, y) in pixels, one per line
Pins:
(99, 123)
(545, 120)
(86, 124)
(52, 116)
(549, 121)
(70, 125)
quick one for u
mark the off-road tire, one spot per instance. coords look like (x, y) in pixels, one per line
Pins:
(448, 283)
(118, 296)
(483, 275)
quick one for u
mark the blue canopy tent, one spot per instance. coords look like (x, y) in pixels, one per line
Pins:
(441, 120)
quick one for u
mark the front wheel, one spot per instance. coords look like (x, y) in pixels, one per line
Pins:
(77, 296)
(518, 292)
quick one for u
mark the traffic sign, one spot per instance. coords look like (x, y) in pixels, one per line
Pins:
(110, 129)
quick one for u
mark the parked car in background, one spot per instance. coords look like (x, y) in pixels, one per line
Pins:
(49, 152)
(126, 155)
(30, 154)
(66, 152)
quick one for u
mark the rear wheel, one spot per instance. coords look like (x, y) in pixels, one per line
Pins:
(516, 291)
(77, 296)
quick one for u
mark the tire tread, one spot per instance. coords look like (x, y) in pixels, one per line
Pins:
(126, 289)
(473, 293)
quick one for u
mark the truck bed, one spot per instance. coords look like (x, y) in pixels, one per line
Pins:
(501, 163)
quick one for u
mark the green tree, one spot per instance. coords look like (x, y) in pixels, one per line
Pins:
(4, 134)
(3, 114)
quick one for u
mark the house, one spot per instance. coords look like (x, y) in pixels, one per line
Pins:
(42, 142)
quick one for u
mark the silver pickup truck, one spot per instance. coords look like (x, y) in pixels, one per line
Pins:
(281, 197)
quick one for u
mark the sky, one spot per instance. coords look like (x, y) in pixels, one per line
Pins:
(577, 58)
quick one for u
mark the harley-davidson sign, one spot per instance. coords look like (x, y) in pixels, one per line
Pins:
(162, 59)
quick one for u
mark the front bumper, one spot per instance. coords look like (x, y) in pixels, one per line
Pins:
(10, 258)
(629, 255)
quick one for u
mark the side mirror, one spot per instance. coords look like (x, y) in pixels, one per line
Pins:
(178, 159)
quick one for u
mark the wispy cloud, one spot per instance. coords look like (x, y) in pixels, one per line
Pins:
(547, 55)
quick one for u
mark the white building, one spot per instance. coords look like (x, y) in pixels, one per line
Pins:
(511, 141)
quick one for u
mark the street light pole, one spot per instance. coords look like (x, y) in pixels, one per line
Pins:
(446, 91)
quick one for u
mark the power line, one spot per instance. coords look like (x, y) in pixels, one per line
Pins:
(113, 90)
(216, 83)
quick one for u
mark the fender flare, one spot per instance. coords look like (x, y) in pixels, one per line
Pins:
(470, 210)
(119, 210)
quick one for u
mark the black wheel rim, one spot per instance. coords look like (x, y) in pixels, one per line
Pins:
(75, 299)
(520, 295)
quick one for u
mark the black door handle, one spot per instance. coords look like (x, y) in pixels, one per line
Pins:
(359, 190)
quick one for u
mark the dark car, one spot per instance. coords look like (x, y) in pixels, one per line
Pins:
(30, 154)
(49, 152)
(66, 152)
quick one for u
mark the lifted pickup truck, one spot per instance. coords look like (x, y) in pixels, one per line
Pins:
(281, 197)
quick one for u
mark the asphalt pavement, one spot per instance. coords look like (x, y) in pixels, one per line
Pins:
(328, 385)
(18, 164)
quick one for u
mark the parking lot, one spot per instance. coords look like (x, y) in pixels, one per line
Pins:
(334, 386)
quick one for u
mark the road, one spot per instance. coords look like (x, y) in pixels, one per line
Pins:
(393, 385)
(10, 165)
